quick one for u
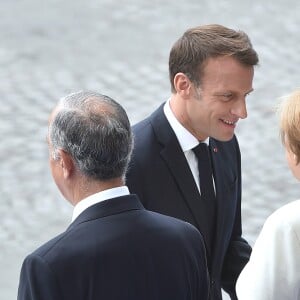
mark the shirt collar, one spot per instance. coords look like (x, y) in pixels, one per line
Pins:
(186, 140)
(98, 197)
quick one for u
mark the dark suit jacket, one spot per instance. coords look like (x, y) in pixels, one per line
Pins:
(118, 250)
(160, 175)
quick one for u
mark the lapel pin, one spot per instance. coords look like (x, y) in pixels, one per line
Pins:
(215, 149)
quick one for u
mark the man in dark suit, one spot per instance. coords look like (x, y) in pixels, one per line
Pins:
(211, 71)
(114, 248)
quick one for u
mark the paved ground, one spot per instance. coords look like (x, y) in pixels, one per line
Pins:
(120, 48)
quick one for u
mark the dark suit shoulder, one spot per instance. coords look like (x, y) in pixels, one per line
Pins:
(141, 125)
(142, 133)
(174, 224)
(147, 146)
(148, 125)
(49, 246)
(172, 232)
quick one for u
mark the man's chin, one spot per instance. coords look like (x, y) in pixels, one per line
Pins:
(226, 138)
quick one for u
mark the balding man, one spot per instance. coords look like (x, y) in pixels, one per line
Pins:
(114, 248)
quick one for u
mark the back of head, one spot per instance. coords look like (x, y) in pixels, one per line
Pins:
(190, 52)
(95, 131)
(289, 122)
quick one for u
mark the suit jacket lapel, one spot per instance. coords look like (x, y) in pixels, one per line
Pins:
(175, 159)
(219, 176)
(108, 207)
(223, 179)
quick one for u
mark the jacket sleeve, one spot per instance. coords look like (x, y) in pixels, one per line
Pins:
(238, 251)
(236, 258)
(37, 281)
(273, 269)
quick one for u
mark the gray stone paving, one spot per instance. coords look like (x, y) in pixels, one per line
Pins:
(120, 48)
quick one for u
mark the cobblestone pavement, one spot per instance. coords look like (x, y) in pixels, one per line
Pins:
(121, 48)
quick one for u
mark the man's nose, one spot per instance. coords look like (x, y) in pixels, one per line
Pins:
(240, 109)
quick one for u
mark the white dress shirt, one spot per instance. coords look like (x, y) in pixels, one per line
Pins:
(186, 140)
(273, 271)
(98, 197)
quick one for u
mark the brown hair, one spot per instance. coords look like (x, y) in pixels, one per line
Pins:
(197, 44)
(289, 122)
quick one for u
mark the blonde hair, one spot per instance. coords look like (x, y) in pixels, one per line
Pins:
(289, 122)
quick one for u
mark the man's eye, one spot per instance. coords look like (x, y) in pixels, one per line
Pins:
(227, 96)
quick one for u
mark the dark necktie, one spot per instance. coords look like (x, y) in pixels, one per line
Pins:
(206, 186)
(205, 172)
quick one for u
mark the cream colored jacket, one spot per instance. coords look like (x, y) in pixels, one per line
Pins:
(273, 271)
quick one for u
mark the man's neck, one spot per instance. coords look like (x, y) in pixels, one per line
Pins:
(88, 187)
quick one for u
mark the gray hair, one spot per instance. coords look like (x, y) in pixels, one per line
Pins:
(95, 130)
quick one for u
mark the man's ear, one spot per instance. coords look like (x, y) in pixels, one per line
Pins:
(66, 162)
(182, 85)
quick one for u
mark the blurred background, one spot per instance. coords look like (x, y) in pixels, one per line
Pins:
(120, 48)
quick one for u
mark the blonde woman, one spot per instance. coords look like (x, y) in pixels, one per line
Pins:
(273, 271)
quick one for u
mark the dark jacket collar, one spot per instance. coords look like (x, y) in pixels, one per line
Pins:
(108, 207)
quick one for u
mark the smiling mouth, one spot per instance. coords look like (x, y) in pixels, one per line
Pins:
(232, 123)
